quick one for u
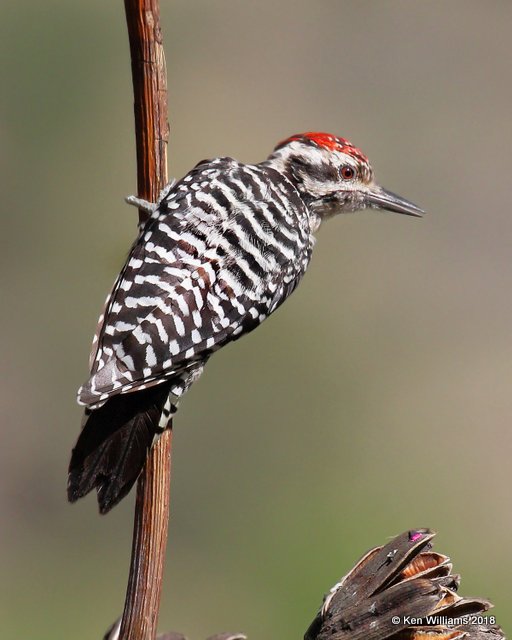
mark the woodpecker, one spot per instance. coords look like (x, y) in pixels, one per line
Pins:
(221, 250)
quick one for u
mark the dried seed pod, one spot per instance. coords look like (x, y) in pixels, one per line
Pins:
(402, 591)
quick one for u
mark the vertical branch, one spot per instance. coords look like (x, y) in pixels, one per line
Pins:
(140, 616)
(142, 604)
(149, 77)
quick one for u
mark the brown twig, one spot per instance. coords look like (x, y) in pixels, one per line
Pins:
(149, 77)
(140, 616)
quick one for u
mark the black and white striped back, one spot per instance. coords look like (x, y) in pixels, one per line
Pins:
(220, 253)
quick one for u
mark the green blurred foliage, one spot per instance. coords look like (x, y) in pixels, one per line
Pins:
(377, 399)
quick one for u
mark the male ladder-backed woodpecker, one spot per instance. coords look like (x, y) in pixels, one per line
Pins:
(221, 250)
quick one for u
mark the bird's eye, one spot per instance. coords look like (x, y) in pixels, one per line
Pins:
(347, 172)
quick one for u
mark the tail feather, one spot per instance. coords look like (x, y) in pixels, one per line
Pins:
(113, 445)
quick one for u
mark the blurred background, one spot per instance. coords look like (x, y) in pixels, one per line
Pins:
(379, 398)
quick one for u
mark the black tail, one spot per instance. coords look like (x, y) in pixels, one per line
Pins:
(113, 445)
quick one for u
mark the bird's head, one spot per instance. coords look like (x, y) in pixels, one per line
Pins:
(333, 176)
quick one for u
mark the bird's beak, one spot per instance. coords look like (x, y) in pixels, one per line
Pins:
(380, 198)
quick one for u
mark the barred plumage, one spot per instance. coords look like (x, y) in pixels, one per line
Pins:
(222, 249)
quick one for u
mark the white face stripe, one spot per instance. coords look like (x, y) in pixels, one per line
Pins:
(309, 154)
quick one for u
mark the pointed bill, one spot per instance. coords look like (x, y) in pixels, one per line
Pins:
(381, 198)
